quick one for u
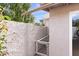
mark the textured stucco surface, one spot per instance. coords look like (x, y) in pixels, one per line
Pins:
(59, 29)
(21, 38)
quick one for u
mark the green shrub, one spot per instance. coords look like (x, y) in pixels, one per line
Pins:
(3, 33)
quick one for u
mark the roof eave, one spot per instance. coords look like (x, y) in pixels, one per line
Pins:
(45, 7)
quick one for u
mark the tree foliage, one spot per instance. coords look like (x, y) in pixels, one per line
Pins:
(15, 10)
(3, 33)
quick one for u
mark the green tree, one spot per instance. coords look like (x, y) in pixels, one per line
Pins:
(15, 10)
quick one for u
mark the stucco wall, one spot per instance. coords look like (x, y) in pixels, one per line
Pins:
(35, 33)
(21, 38)
(59, 29)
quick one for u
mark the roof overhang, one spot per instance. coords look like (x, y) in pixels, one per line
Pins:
(46, 7)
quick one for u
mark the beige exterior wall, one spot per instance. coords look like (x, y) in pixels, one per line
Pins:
(21, 38)
(59, 29)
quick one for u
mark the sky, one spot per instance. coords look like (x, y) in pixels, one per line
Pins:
(39, 15)
(75, 16)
